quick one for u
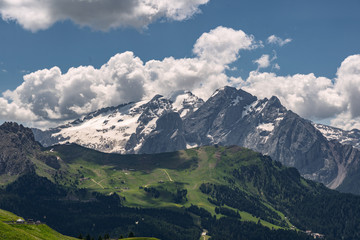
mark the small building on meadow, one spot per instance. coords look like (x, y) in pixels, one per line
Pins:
(20, 221)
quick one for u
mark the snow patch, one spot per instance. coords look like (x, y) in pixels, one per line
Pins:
(113, 136)
(174, 134)
(185, 112)
(269, 127)
(191, 145)
(210, 137)
(279, 119)
(185, 103)
(217, 91)
(249, 108)
(236, 101)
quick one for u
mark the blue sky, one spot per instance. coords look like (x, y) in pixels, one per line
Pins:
(323, 34)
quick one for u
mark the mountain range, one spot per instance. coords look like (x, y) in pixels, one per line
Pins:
(229, 117)
(231, 191)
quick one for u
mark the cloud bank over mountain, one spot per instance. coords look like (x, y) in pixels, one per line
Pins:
(35, 15)
(50, 96)
(315, 97)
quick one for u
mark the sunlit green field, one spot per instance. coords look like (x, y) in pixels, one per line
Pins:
(26, 231)
(128, 175)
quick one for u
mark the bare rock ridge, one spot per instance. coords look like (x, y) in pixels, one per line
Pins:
(228, 117)
(16, 144)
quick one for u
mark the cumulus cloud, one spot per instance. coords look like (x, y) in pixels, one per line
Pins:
(276, 66)
(348, 84)
(222, 45)
(50, 96)
(348, 81)
(263, 61)
(315, 97)
(278, 41)
(37, 15)
(346, 121)
(307, 95)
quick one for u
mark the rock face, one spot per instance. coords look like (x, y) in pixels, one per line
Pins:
(228, 117)
(16, 144)
(167, 136)
(268, 127)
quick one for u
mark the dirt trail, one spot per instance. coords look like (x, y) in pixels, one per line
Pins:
(97, 183)
(168, 175)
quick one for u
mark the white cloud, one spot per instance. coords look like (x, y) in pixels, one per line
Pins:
(348, 85)
(276, 66)
(13, 111)
(52, 97)
(346, 121)
(263, 61)
(222, 45)
(37, 15)
(348, 81)
(278, 41)
(307, 95)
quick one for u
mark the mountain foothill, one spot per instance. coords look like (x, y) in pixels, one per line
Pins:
(178, 167)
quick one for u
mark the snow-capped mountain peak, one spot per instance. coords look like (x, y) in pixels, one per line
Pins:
(121, 129)
(185, 103)
(229, 117)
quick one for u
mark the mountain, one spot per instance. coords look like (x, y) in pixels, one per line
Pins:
(228, 117)
(16, 144)
(175, 194)
(268, 127)
(129, 128)
(232, 192)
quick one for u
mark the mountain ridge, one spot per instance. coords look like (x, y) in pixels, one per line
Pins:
(233, 182)
(229, 117)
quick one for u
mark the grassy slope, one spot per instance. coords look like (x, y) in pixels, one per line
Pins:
(26, 232)
(140, 238)
(126, 175)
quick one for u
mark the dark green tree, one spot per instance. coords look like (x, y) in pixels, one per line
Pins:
(131, 234)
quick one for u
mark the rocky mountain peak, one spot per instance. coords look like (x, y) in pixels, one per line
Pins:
(230, 93)
(229, 117)
(16, 144)
(275, 102)
(16, 128)
(185, 102)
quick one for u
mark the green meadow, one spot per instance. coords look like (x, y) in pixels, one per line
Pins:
(168, 173)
